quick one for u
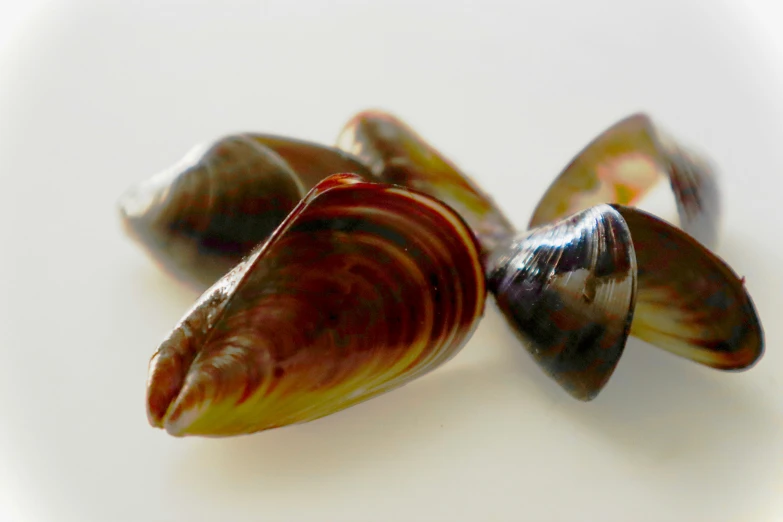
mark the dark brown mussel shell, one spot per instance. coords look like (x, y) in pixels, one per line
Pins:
(573, 290)
(690, 302)
(687, 300)
(200, 217)
(568, 289)
(363, 288)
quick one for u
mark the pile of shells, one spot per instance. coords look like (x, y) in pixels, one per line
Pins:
(332, 274)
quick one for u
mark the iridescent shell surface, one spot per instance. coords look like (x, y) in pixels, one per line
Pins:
(623, 164)
(200, 217)
(396, 154)
(362, 289)
(688, 300)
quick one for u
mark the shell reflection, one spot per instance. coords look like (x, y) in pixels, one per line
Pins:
(200, 217)
(362, 289)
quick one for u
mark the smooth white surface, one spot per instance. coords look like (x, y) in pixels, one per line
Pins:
(97, 95)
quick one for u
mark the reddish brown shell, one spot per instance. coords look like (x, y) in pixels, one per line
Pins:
(362, 289)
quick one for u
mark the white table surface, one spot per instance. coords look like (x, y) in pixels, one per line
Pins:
(97, 95)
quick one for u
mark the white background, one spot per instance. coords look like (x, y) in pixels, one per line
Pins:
(97, 95)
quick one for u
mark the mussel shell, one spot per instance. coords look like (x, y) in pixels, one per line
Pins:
(623, 164)
(396, 154)
(689, 301)
(363, 288)
(568, 290)
(575, 289)
(202, 216)
(311, 161)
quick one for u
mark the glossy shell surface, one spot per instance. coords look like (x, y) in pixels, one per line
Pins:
(362, 289)
(568, 290)
(396, 154)
(623, 164)
(311, 161)
(200, 217)
(575, 289)
(690, 302)
(585, 276)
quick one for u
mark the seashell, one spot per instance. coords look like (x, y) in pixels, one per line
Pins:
(363, 288)
(574, 289)
(689, 301)
(311, 161)
(569, 290)
(590, 271)
(396, 154)
(623, 164)
(200, 217)
(577, 333)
